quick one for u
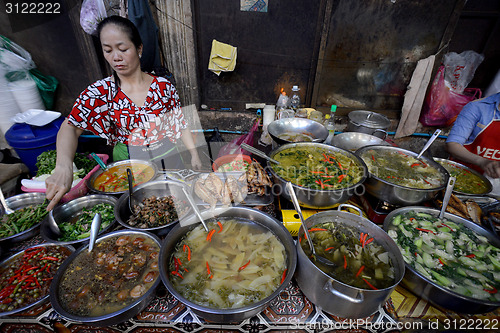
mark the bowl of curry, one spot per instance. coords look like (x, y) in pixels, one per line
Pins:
(110, 284)
(113, 180)
(468, 181)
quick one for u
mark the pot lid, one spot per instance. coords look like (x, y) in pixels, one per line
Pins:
(369, 119)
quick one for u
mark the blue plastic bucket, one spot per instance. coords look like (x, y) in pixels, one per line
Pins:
(30, 141)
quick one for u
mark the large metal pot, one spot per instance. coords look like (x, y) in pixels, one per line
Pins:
(455, 166)
(332, 295)
(397, 194)
(236, 314)
(318, 199)
(368, 122)
(315, 131)
(117, 316)
(429, 290)
(352, 141)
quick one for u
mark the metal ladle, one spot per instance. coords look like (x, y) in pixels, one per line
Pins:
(195, 208)
(295, 202)
(6, 208)
(429, 142)
(132, 201)
(447, 195)
(94, 230)
(258, 153)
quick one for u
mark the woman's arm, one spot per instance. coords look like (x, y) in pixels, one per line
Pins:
(491, 168)
(59, 183)
(187, 139)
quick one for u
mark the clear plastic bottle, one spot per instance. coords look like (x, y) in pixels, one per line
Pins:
(295, 102)
(330, 126)
(282, 103)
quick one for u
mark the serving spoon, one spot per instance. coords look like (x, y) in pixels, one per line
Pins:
(321, 259)
(132, 201)
(447, 195)
(429, 142)
(7, 210)
(195, 208)
(94, 230)
(258, 153)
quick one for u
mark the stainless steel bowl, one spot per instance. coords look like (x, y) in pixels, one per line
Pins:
(21, 201)
(160, 189)
(42, 300)
(463, 167)
(352, 141)
(318, 199)
(398, 194)
(237, 314)
(129, 163)
(68, 212)
(117, 316)
(431, 291)
(293, 126)
(333, 295)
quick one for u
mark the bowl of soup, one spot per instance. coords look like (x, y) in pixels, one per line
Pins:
(234, 270)
(367, 264)
(468, 181)
(110, 284)
(113, 180)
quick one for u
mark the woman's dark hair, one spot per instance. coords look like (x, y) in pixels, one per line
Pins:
(127, 27)
(125, 24)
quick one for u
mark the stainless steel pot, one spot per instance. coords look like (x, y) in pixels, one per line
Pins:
(453, 164)
(397, 194)
(318, 199)
(115, 317)
(352, 141)
(332, 295)
(237, 314)
(368, 122)
(429, 290)
(316, 131)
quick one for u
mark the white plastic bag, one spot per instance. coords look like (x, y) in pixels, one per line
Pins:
(14, 59)
(460, 68)
(91, 13)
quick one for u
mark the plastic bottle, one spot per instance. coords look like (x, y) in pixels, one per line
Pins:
(330, 126)
(282, 103)
(295, 102)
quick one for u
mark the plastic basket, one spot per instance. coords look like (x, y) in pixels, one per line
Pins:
(80, 189)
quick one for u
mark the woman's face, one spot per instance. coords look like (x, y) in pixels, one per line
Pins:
(119, 51)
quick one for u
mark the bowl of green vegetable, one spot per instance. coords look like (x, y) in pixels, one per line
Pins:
(24, 222)
(74, 219)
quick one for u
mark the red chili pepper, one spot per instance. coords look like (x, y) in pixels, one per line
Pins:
(317, 172)
(426, 230)
(345, 262)
(373, 158)
(210, 234)
(360, 270)
(472, 255)
(220, 226)
(176, 264)
(447, 227)
(244, 266)
(441, 262)
(283, 276)
(189, 251)
(6, 301)
(177, 273)
(415, 164)
(369, 284)
(50, 258)
(368, 241)
(209, 272)
(329, 248)
(491, 291)
(341, 177)
(318, 229)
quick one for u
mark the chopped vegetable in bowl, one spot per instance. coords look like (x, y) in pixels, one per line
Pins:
(22, 219)
(448, 253)
(79, 226)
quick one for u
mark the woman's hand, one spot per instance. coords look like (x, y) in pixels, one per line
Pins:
(58, 184)
(195, 161)
(491, 168)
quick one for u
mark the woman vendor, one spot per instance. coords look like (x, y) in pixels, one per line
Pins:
(475, 136)
(137, 112)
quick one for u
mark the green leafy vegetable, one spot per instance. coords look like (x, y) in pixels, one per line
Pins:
(22, 219)
(79, 229)
(46, 162)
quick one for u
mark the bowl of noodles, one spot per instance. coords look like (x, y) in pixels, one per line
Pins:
(234, 270)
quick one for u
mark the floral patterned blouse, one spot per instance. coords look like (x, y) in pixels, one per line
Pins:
(104, 109)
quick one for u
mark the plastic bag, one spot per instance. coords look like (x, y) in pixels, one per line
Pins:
(459, 69)
(15, 60)
(91, 13)
(441, 105)
(46, 85)
(234, 147)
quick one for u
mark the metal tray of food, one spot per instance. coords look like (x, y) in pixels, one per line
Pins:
(246, 195)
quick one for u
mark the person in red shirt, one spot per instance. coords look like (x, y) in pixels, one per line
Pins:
(138, 113)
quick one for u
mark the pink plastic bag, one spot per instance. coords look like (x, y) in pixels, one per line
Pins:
(234, 147)
(442, 106)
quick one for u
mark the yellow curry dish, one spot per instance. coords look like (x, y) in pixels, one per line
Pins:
(467, 181)
(114, 179)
